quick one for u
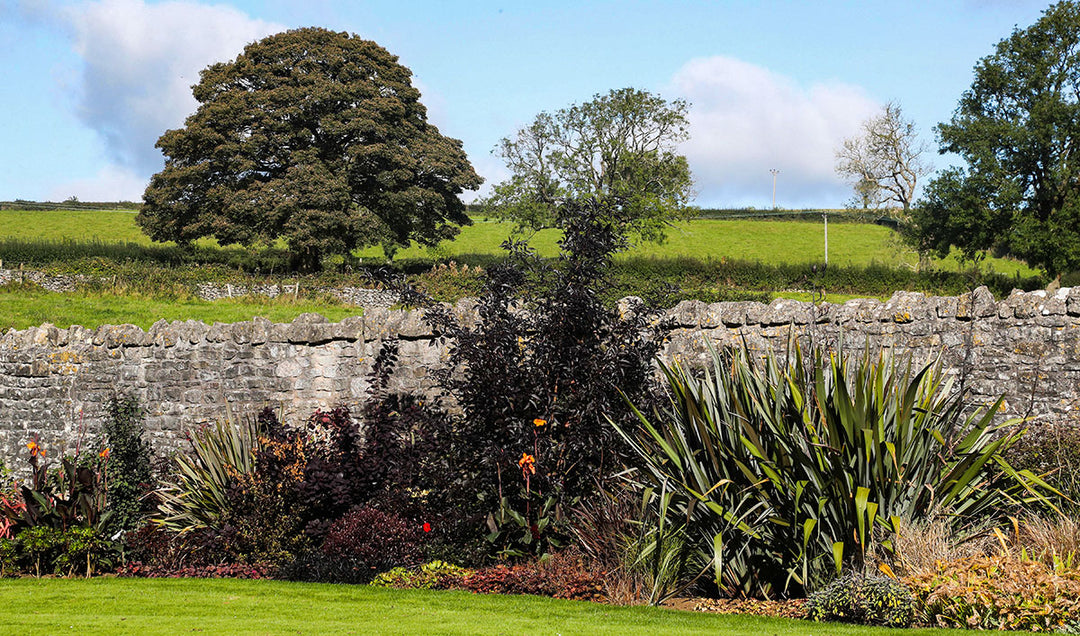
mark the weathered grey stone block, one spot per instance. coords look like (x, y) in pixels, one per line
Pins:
(55, 380)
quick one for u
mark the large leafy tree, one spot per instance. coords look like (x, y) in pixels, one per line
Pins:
(620, 146)
(1018, 129)
(312, 136)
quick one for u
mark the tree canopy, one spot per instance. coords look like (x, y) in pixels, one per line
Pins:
(884, 161)
(313, 136)
(1017, 128)
(619, 146)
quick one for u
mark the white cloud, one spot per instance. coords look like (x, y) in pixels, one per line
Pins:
(746, 120)
(493, 171)
(111, 183)
(139, 63)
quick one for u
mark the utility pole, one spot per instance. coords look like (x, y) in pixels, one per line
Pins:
(774, 172)
(825, 215)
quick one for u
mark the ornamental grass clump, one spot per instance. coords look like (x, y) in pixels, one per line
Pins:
(783, 471)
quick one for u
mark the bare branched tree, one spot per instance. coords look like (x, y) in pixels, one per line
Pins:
(884, 162)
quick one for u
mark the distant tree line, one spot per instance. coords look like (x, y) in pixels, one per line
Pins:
(23, 204)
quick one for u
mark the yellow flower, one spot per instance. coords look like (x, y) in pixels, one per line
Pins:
(538, 422)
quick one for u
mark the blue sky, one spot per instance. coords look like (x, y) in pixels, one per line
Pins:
(88, 86)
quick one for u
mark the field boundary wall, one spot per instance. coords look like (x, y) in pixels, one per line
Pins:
(55, 383)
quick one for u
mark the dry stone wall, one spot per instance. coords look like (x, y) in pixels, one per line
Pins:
(360, 296)
(56, 382)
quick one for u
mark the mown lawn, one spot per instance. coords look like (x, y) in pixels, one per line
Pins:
(737, 239)
(173, 606)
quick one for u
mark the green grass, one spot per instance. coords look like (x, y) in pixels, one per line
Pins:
(707, 259)
(173, 606)
(22, 307)
(773, 242)
(118, 226)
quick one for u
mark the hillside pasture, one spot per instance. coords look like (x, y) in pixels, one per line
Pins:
(773, 242)
(25, 306)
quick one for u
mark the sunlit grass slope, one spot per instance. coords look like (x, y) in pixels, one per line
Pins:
(21, 308)
(765, 241)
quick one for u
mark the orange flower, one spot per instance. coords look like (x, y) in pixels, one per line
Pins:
(538, 422)
(35, 450)
(527, 463)
(104, 454)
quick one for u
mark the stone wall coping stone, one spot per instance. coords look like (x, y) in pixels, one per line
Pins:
(378, 323)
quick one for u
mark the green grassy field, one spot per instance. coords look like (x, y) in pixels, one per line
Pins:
(704, 258)
(21, 308)
(172, 606)
(765, 241)
(110, 226)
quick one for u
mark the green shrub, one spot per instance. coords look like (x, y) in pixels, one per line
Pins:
(431, 575)
(1002, 592)
(39, 548)
(127, 467)
(448, 282)
(85, 551)
(782, 471)
(9, 565)
(75, 551)
(865, 600)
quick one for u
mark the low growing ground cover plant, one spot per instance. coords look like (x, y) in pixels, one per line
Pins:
(564, 575)
(1003, 591)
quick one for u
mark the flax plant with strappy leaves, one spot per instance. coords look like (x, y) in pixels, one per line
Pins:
(219, 453)
(782, 472)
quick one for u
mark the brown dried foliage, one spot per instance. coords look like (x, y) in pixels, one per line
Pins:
(998, 592)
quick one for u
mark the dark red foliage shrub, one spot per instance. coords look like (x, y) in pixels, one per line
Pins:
(334, 479)
(375, 541)
(219, 571)
(540, 373)
(153, 545)
(564, 575)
